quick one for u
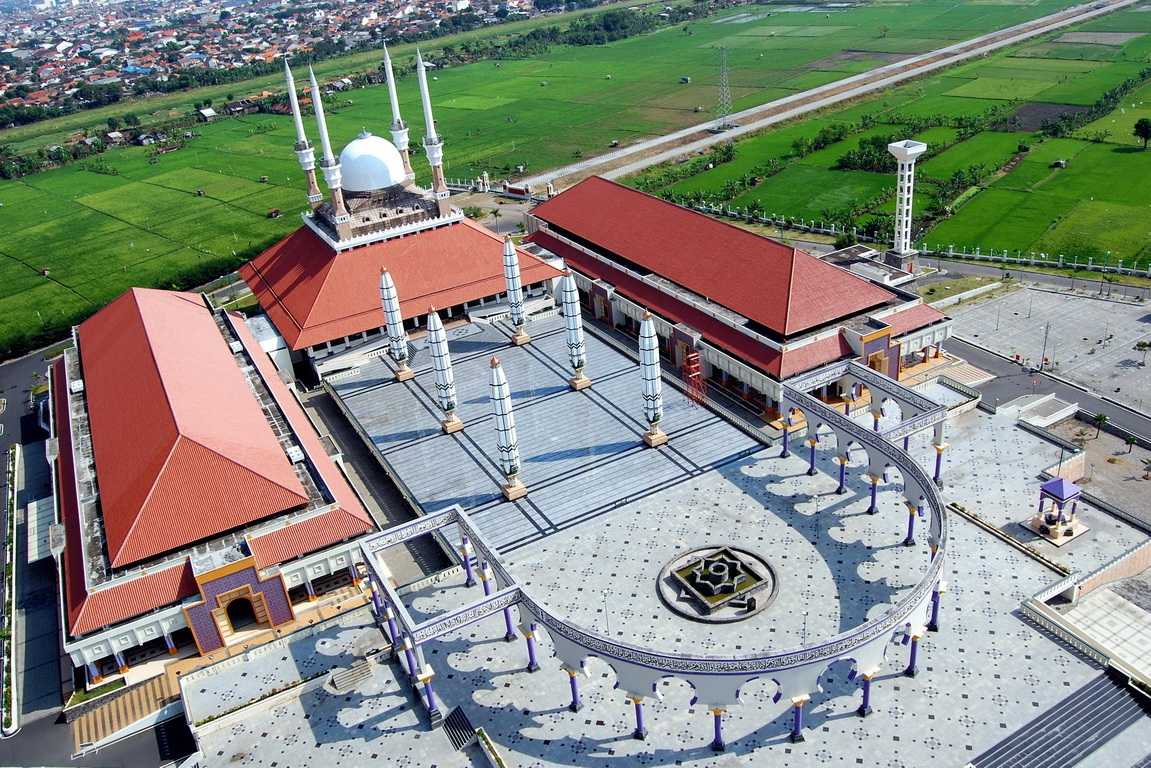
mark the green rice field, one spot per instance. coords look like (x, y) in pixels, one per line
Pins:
(71, 239)
(1086, 195)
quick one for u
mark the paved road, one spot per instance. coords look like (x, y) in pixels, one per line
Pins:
(1011, 382)
(636, 157)
(1055, 281)
(46, 742)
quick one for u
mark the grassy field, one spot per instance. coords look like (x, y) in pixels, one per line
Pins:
(1097, 207)
(73, 238)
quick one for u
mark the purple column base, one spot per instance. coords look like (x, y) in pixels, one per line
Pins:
(576, 702)
(912, 670)
(796, 735)
(933, 624)
(640, 731)
(865, 706)
(842, 489)
(717, 744)
(811, 462)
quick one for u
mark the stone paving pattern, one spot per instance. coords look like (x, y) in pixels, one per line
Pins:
(246, 678)
(986, 673)
(1078, 324)
(1117, 623)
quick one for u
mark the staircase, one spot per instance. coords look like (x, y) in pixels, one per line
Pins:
(1071, 730)
(460, 731)
(344, 680)
(121, 711)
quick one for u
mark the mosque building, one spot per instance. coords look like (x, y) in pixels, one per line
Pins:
(318, 285)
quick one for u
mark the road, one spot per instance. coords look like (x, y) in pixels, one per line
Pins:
(697, 138)
(1062, 282)
(1011, 382)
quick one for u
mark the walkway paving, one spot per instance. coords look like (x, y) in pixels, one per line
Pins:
(240, 680)
(1089, 340)
(375, 724)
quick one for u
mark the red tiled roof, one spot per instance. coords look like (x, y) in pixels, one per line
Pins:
(777, 286)
(815, 354)
(313, 534)
(86, 612)
(781, 365)
(913, 318)
(314, 294)
(182, 448)
(739, 344)
(310, 535)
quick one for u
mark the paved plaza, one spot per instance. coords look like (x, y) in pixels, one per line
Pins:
(377, 723)
(303, 655)
(1116, 622)
(594, 557)
(1089, 340)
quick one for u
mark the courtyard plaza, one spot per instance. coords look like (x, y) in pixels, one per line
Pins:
(604, 513)
(983, 675)
(1090, 340)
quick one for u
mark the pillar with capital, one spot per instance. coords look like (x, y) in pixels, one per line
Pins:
(640, 731)
(797, 704)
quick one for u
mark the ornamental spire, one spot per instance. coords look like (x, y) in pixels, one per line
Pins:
(433, 144)
(329, 164)
(515, 291)
(425, 98)
(399, 127)
(573, 324)
(397, 336)
(304, 152)
(437, 342)
(507, 444)
(649, 368)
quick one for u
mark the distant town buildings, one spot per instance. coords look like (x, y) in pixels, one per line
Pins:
(68, 54)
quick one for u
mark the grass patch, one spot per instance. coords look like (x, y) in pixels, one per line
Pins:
(79, 696)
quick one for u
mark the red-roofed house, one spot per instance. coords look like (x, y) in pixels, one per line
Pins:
(184, 470)
(744, 310)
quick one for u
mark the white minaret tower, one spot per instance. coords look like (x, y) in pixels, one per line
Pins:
(433, 144)
(304, 152)
(649, 369)
(394, 321)
(328, 163)
(399, 127)
(515, 292)
(573, 324)
(442, 367)
(507, 444)
(906, 152)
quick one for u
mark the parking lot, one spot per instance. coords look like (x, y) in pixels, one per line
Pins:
(1085, 339)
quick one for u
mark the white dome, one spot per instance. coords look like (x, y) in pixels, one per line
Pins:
(369, 163)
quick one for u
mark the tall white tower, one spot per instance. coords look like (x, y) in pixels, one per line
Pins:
(433, 144)
(399, 127)
(329, 164)
(906, 152)
(304, 152)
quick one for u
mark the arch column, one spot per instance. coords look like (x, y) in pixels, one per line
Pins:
(873, 509)
(529, 631)
(936, 595)
(842, 459)
(912, 512)
(811, 443)
(640, 731)
(940, 446)
(797, 705)
(717, 743)
(466, 554)
(865, 684)
(573, 683)
(914, 635)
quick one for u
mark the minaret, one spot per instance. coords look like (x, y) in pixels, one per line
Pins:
(442, 367)
(906, 153)
(399, 127)
(649, 369)
(507, 444)
(515, 292)
(304, 152)
(329, 164)
(573, 324)
(433, 144)
(394, 322)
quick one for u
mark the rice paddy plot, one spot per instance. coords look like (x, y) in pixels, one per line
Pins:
(991, 149)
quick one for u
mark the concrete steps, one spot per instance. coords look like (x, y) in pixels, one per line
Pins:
(459, 729)
(120, 712)
(1070, 731)
(344, 680)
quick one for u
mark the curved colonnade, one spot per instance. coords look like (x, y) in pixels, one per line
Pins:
(716, 680)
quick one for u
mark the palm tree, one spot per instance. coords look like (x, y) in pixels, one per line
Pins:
(1100, 421)
(1131, 441)
(1144, 347)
